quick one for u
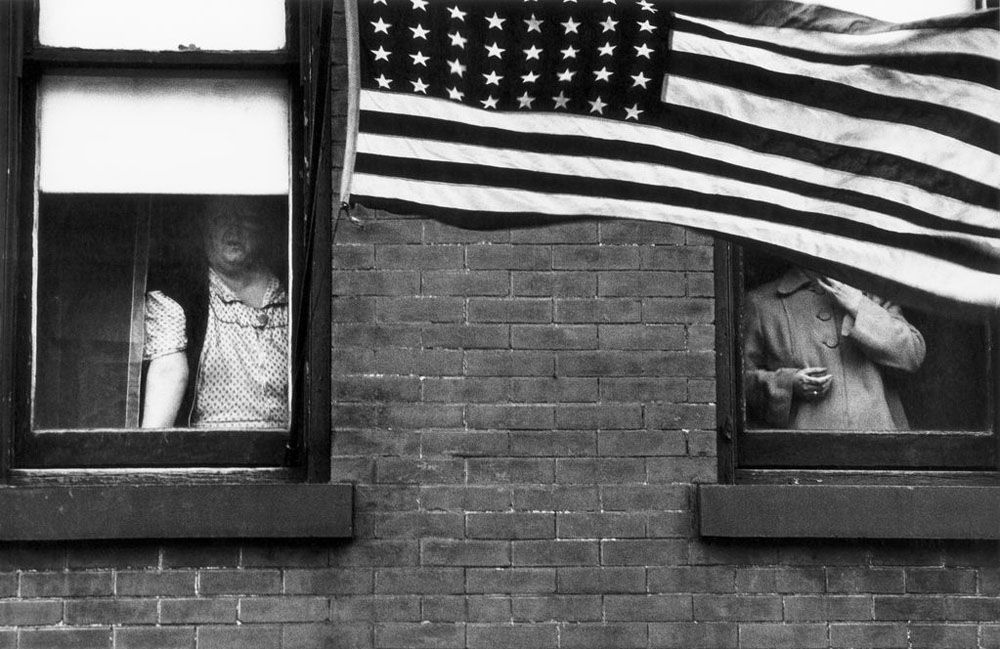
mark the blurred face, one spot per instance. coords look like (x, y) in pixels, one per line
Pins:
(233, 241)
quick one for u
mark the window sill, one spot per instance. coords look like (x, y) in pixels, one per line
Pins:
(58, 513)
(843, 511)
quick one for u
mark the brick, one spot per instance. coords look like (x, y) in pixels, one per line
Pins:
(984, 609)
(420, 636)
(906, 553)
(643, 389)
(510, 470)
(30, 613)
(401, 581)
(601, 636)
(593, 525)
(415, 525)
(940, 580)
(442, 608)
(679, 415)
(104, 555)
(487, 608)
(989, 581)
(67, 584)
(693, 635)
(464, 443)
(731, 608)
(172, 583)
(553, 390)
(353, 256)
(356, 468)
(637, 337)
(648, 608)
(640, 284)
(375, 282)
(465, 389)
(646, 497)
(420, 257)
(678, 310)
(780, 580)
(611, 363)
(677, 258)
(600, 416)
(601, 580)
(702, 443)
(334, 581)
(557, 230)
(508, 363)
(604, 310)
(508, 257)
(641, 443)
(828, 607)
(419, 309)
(700, 284)
(99, 638)
(255, 636)
(550, 336)
(353, 309)
(236, 582)
(991, 636)
(875, 636)
(864, 580)
(693, 579)
(423, 362)
(701, 337)
(415, 470)
(683, 470)
(624, 231)
(816, 552)
(372, 552)
(377, 608)
(554, 284)
(373, 442)
(512, 635)
(8, 585)
(154, 638)
(511, 525)
(201, 555)
(382, 231)
(554, 553)
(198, 611)
(915, 607)
(284, 609)
(670, 524)
(732, 552)
(31, 556)
(438, 232)
(513, 310)
(327, 636)
(600, 470)
(465, 498)
(510, 580)
(385, 498)
(553, 443)
(556, 498)
(783, 636)
(447, 552)
(643, 552)
(595, 257)
(943, 636)
(466, 336)
(494, 283)
(510, 417)
(111, 611)
(561, 608)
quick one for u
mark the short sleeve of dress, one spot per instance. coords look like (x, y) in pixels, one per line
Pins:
(165, 331)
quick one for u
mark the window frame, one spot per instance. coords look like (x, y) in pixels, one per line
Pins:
(57, 499)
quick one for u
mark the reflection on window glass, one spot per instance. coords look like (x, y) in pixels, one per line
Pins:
(161, 310)
(820, 354)
(163, 25)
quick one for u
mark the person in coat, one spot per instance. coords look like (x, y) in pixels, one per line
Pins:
(815, 355)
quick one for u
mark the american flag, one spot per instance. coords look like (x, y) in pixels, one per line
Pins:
(838, 140)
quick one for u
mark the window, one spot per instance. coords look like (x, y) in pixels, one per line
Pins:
(155, 154)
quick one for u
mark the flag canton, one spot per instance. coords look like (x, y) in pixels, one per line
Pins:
(588, 57)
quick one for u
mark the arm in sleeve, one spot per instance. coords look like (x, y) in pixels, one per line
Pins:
(167, 374)
(768, 393)
(885, 336)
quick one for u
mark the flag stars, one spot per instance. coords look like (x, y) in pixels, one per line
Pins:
(607, 49)
(525, 100)
(643, 50)
(633, 112)
(381, 26)
(534, 24)
(456, 13)
(383, 82)
(531, 77)
(420, 32)
(640, 80)
(456, 67)
(419, 4)
(489, 102)
(569, 52)
(561, 101)
(533, 53)
(457, 40)
(419, 86)
(566, 75)
(570, 26)
(597, 106)
(603, 74)
(494, 50)
(380, 2)
(645, 26)
(420, 59)
(608, 25)
(647, 6)
(493, 79)
(495, 21)
(381, 54)
(455, 93)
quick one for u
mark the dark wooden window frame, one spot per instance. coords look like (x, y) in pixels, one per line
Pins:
(131, 484)
(775, 483)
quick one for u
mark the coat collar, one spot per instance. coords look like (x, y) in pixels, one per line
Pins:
(793, 280)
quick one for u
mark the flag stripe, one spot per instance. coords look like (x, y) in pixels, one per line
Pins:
(703, 135)
(933, 93)
(597, 158)
(477, 205)
(579, 193)
(925, 51)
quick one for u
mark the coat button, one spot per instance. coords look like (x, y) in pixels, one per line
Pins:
(825, 315)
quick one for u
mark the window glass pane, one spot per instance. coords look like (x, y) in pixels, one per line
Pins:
(163, 25)
(124, 281)
(811, 365)
(903, 11)
(102, 134)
